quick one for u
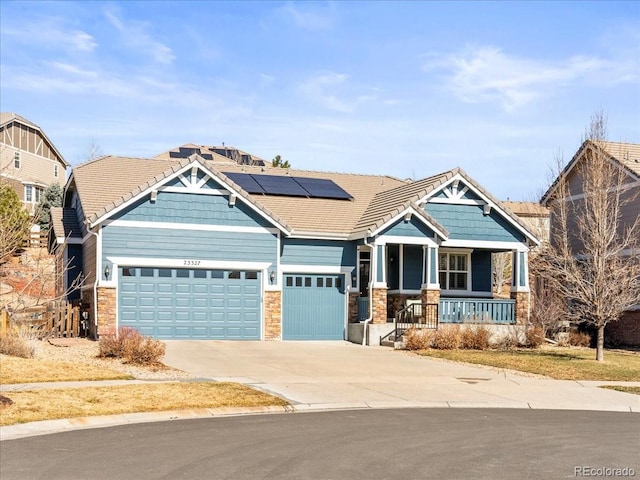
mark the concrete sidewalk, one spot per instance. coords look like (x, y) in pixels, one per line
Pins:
(316, 376)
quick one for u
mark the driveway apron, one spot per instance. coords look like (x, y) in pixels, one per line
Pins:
(328, 374)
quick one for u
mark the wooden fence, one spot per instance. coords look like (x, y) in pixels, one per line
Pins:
(62, 319)
(36, 240)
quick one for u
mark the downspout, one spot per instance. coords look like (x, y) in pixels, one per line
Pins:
(95, 286)
(370, 289)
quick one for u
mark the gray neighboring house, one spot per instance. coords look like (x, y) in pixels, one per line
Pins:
(626, 156)
(29, 161)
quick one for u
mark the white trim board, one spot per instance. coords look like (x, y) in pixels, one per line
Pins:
(189, 226)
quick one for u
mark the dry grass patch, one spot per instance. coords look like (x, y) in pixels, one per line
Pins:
(31, 370)
(52, 404)
(558, 363)
(635, 390)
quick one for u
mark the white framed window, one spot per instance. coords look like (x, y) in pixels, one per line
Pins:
(16, 160)
(55, 170)
(33, 193)
(28, 193)
(454, 271)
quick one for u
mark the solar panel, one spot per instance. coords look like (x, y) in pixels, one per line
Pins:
(246, 182)
(289, 186)
(280, 185)
(322, 188)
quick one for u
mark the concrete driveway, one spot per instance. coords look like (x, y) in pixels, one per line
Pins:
(325, 375)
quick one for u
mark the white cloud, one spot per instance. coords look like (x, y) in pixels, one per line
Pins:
(487, 74)
(52, 33)
(308, 16)
(135, 36)
(334, 91)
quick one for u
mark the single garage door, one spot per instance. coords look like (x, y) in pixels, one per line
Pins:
(313, 307)
(190, 303)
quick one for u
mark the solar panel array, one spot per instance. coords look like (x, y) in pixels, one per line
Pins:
(289, 186)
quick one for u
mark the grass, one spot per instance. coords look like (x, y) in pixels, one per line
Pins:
(558, 363)
(32, 406)
(635, 390)
(30, 370)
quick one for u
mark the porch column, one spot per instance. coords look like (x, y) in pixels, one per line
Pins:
(520, 286)
(430, 290)
(379, 290)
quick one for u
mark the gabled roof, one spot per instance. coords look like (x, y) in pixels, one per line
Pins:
(527, 209)
(64, 223)
(385, 203)
(627, 155)
(107, 183)
(8, 117)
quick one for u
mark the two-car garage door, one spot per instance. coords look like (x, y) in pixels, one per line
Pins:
(191, 303)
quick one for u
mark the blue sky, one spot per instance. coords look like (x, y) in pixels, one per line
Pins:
(408, 89)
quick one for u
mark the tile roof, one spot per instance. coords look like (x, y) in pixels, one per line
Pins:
(626, 153)
(105, 183)
(527, 209)
(64, 222)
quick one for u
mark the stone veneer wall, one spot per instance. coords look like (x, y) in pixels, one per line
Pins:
(522, 307)
(272, 315)
(106, 311)
(379, 298)
(430, 296)
(353, 307)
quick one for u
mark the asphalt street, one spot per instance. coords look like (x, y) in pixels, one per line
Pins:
(352, 444)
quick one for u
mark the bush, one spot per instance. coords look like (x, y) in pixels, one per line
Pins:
(579, 339)
(475, 337)
(418, 338)
(534, 336)
(509, 341)
(447, 338)
(16, 345)
(129, 345)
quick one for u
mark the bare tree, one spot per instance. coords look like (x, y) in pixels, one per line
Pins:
(593, 259)
(501, 270)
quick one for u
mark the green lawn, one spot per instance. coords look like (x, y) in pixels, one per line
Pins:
(555, 362)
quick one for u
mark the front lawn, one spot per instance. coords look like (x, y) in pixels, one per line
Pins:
(32, 370)
(555, 362)
(32, 406)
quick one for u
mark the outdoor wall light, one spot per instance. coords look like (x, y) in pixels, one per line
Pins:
(272, 276)
(106, 272)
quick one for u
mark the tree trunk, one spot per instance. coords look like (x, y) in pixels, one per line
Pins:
(600, 344)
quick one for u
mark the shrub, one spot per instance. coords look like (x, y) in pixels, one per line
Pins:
(132, 347)
(418, 338)
(16, 345)
(508, 341)
(475, 337)
(446, 338)
(534, 336)
(579, 339)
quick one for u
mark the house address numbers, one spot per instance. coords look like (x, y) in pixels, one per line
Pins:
(191, 263)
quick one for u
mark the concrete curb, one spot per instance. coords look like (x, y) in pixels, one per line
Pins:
(47, 427)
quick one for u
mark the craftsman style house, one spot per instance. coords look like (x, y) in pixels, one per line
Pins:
(29, 162)
(626, 157)
(202, 249)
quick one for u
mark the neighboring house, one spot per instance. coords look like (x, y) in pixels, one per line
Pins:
(534, 215)
(626, 331)
(28, 159)
(192, 248)
(214, 154)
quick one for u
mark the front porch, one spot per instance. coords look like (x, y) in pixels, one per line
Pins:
(459, 310)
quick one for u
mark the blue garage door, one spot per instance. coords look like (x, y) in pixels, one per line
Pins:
(313, 307)
(184, 303)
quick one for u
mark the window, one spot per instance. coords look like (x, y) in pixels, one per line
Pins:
(55, 170)
(182, 273)
(28, 193)
(164, 273)
(199, 274)
(234, 274)
(146, 272)
(454, 271)
(16, 160)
